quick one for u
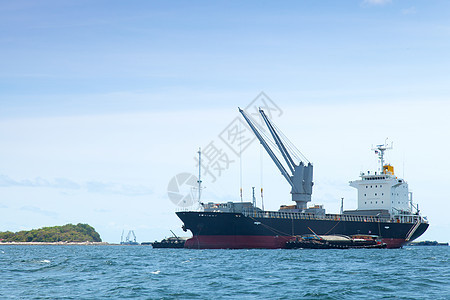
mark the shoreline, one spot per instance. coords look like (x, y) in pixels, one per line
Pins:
(58, 243)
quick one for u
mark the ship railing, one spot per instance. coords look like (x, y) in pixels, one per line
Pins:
(333, 217)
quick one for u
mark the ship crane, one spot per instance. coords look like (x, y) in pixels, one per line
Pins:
(131, 237)
(299, 176)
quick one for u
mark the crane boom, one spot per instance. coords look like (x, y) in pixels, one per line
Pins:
(301, 178)
(284, 152)
(269, 151)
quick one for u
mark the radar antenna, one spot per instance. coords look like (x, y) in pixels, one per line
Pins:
(380, 149)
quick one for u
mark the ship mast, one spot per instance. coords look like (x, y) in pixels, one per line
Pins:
(199, 181)
(253, 197)
(299, 176)
(380, 149)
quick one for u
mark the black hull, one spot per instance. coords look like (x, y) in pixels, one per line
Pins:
(234, 230)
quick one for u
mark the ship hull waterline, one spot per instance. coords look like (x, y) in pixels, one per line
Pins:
(220, 230)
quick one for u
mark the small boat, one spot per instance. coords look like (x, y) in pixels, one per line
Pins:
(335, 242)
(170, 242)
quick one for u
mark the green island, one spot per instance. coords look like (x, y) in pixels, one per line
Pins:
(67, 233)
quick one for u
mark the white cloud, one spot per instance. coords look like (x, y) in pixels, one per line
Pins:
(6, 181)
(409, 11)
(39, 211)
(67, 184)
(377, 2)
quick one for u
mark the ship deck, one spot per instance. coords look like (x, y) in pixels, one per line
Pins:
(408, 219)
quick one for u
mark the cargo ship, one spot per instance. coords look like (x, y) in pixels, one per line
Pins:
(385, 206)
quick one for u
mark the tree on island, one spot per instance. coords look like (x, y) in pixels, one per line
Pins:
(65, 233)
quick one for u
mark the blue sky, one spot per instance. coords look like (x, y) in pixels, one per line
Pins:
(62, 52)
(101, 103)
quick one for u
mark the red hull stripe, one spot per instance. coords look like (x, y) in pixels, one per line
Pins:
(236, 242)
(253, 241)
(393, 243)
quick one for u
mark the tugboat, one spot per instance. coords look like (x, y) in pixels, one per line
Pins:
(385, 206)
(170, 242)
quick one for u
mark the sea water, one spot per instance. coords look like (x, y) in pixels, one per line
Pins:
(118, 272)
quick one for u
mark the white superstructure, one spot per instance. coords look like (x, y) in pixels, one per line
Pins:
(382, 190)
